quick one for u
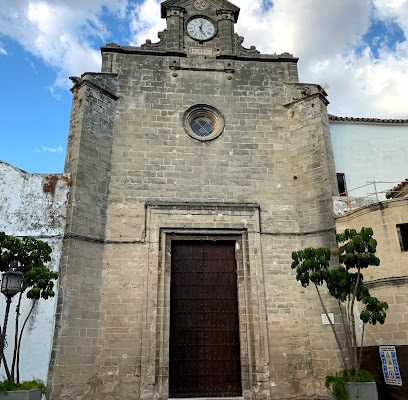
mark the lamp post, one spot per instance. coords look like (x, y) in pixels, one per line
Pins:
(10, 286)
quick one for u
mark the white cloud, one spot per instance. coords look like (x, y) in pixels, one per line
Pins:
(363, 86)
(328, 38)
(2, 50)
(303, 27)
(60, 33)
(145, 22)
(58, 149)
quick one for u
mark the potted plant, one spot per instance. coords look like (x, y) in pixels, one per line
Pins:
(27, 390)
(31, 256)
(345, 283)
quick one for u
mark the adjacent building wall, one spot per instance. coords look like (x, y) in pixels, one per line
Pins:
(33, 205)
(370, 150)
(389, 281)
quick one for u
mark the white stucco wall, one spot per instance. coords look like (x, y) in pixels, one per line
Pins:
(367, 152)
(33, 205)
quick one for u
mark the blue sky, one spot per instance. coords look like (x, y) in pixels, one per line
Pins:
(35, 123)
(382, 34)
(357, 49)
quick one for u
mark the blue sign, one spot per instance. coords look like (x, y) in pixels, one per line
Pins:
(390, 367)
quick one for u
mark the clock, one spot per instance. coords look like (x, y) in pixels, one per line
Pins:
(201, 28)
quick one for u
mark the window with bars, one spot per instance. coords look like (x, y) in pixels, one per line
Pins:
(341, 183)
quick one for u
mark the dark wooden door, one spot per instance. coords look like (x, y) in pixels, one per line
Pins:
(204, 332)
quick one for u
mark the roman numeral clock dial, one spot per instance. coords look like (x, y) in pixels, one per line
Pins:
(201, 28)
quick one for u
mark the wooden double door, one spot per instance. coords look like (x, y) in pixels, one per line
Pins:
(204, 352)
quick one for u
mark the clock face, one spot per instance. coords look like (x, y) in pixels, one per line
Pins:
(201, 28)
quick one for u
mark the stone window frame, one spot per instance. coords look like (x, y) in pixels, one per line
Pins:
(196, 221)
(205, 112)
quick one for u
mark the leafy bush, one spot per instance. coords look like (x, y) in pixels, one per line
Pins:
(356, 252)
(336, 384)
(32, 256)
(7, 386)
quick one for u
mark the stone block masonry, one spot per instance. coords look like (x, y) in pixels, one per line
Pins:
(142, 178)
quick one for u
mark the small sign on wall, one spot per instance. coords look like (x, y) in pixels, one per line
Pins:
(201, 51)
(390, 367)
(325, 320)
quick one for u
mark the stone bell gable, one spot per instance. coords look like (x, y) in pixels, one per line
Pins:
(225, 43)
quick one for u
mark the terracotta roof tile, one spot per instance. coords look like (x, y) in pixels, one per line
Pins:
(368, 120)
(397, 190)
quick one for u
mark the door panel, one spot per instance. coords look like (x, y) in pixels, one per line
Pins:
(204, 330)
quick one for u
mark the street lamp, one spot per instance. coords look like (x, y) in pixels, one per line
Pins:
(10, 286)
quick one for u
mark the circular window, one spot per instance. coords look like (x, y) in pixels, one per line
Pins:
(203, 122)
(202, 126)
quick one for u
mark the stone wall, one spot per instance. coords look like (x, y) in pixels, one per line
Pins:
(128, 148)
(264, 178)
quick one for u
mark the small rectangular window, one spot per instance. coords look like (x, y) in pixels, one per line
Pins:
(402, 231)
(341, 183)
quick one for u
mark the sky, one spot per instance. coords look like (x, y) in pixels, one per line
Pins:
(356, 49)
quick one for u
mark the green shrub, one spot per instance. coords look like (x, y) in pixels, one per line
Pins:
(7, 386)
(336, 384)
(32, 257)
(356, 252)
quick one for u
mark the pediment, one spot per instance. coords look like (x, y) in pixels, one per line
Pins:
(217, 4)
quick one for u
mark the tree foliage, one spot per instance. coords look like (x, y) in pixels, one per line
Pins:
(33, 257)
(346, 284)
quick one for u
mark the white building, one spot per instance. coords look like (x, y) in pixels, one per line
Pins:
(370, 154)
(33, 205)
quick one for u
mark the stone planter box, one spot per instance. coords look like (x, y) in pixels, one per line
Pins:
(362, 390)
(34, 394)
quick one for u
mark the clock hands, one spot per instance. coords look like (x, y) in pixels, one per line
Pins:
(205, 34)
(200, 29)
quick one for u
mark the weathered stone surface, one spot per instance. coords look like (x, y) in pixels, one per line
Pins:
(33, 205)
(139, 180)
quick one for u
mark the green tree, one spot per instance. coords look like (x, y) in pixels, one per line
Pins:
(345, 283)
(33, 257)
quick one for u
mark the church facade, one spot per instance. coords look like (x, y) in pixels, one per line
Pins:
(197, 166)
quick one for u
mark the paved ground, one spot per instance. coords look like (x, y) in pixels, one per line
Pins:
(310, 398)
